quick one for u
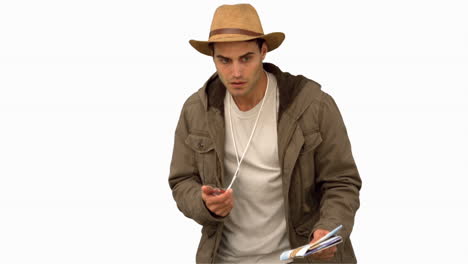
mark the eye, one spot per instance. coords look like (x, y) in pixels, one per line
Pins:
(245, 59)
(224, 60)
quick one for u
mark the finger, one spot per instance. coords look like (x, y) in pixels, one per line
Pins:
(220, 211)
(212, 201)
(217, 205)
(205, 194)
(207, 189)
(224, 206)
(223, 198)
(204, 198)
(320, 253)
(315, 238)
(322, 256)
(218, 191)
(225, 211)
(319, 233)
(227, 195)
(326, 253)
(328, 250)
(325, 257)
(228, 203)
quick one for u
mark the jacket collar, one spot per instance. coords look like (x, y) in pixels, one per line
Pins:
(213, 92)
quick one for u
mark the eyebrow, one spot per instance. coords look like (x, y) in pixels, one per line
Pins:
(245, 55)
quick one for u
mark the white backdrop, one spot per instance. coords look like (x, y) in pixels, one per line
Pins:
(90, 93)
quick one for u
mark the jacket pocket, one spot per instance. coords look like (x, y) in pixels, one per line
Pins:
(199, 144)
(205, 157)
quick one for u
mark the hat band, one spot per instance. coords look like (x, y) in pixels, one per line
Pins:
(234, 31)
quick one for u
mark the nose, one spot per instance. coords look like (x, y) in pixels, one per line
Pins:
(236, 70)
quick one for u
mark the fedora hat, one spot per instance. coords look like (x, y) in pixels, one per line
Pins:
(237, 23)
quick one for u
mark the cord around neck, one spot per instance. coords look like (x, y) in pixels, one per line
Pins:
(239, 161)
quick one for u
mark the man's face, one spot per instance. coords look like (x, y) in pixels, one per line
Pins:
(239, 65)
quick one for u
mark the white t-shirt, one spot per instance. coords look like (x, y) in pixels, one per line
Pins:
(255, 230)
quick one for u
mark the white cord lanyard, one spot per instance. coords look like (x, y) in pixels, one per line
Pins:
(239, 162)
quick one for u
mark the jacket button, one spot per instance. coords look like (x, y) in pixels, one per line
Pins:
(200, 145)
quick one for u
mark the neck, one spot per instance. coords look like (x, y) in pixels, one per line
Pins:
(247, 102)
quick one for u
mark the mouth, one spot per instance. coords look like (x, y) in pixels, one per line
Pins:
(238, 84)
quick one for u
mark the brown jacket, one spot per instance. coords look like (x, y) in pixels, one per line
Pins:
(320, 180)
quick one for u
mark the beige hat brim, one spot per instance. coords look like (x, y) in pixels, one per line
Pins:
(273, 41)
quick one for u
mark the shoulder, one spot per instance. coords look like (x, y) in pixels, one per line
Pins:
(312, 94)
(309, 94)
(193, 114)
(316, 104)
(192, 100)
(193, 104)
(312, 90)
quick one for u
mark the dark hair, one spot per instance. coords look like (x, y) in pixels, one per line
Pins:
(259, 41)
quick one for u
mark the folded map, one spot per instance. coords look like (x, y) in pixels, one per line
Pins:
(329, 240)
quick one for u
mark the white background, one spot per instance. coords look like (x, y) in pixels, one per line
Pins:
(90, 93)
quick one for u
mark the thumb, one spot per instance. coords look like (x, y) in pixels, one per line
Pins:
(207, 189)
(319, 233)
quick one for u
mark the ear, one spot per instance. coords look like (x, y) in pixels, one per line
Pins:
(264, 50)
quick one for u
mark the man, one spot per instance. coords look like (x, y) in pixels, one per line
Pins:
(275, 139)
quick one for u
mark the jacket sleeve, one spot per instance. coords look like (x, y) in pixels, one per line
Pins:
(184, 178)
(337, 176)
